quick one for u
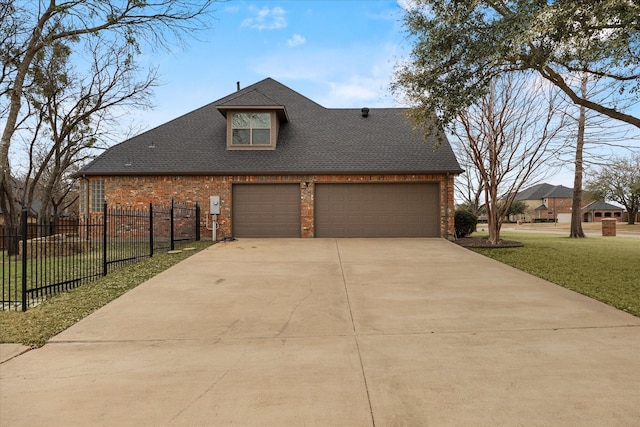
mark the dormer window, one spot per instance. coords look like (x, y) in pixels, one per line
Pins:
(253, 126)
(251, 129)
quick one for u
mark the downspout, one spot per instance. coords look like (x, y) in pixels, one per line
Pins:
(86, 206)
(446, 205)
(86, 195)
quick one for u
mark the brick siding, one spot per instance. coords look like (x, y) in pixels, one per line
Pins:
(139, 191)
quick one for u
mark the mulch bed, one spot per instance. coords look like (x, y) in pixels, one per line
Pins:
(481, 242)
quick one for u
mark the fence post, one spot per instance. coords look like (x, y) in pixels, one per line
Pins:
(171, 229)
(197, 222)
(150, 229)
(104, 238)
(24, 259)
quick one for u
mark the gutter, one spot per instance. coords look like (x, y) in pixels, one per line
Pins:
(270, 173)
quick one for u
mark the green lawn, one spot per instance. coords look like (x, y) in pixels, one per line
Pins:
(604, 268)
(47, 270)
(38, 324)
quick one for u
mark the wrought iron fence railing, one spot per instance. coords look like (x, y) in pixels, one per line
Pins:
(40, 260)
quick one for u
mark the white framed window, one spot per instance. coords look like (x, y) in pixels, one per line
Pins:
(249, 130)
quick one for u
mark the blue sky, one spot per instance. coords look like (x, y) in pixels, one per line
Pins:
(339, 53)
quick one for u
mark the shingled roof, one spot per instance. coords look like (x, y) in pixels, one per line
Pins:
(543, 191)
(599, 205)
(312, 140)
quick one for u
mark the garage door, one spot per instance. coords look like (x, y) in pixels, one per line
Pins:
(266, 210)
(377, 210)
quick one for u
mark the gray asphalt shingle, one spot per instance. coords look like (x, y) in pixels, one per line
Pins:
(315, 140)
(543, 191)
(601, 206)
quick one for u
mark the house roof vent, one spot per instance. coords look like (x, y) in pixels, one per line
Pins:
(365, 112)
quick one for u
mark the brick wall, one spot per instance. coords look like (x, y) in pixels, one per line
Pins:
(599, 215)
(555, 206)
(558, 205)
(139, 191)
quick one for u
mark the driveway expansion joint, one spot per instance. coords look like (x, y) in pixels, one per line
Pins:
(355, 335)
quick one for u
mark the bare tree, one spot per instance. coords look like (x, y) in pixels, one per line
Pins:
(469, 184)
(509, 134)
(619, 182)
(73, 113)
(28, 27)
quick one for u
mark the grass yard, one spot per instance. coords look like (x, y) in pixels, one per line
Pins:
(35, 326)
(83, 266)
(603, 268)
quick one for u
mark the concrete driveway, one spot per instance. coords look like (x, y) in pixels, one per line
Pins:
(325, 332)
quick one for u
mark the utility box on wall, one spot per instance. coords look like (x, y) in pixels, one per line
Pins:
(214, 205)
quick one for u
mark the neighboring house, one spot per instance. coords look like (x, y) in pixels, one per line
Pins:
(598, 210)
(284, 166)
(546, 202)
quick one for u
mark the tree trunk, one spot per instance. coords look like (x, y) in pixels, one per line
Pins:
(10, 213)
(576, 204)
(493, 216)
(494, 225)
(632, 211)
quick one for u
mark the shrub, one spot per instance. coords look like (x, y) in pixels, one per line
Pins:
(465, 223)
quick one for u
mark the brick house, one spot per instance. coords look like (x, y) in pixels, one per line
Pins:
(546, 202)
(598, 210)
(282, 165)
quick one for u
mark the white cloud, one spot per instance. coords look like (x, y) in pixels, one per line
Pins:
(296, 40)
(353, 76)
(357, 89)
(267, 19)
(407, 5)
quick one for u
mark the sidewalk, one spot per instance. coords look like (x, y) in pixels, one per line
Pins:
(9, 351)
(592, 229)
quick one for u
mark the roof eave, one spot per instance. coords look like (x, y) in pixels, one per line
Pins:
(82, 174)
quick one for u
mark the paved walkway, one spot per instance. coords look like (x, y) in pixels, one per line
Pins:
(325, 332)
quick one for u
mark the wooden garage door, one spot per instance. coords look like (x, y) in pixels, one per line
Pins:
(377, 210)
(266, 210)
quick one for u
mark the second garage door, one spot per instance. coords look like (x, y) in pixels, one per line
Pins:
(266, 210)
(377, 210)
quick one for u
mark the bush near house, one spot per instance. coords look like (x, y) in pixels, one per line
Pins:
(465, 223)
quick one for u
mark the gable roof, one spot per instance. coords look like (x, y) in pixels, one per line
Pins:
(543, 191)
(601, 206)
(252, 99)
(312, 139)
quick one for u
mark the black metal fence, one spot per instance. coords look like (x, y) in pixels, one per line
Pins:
(39, 260)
